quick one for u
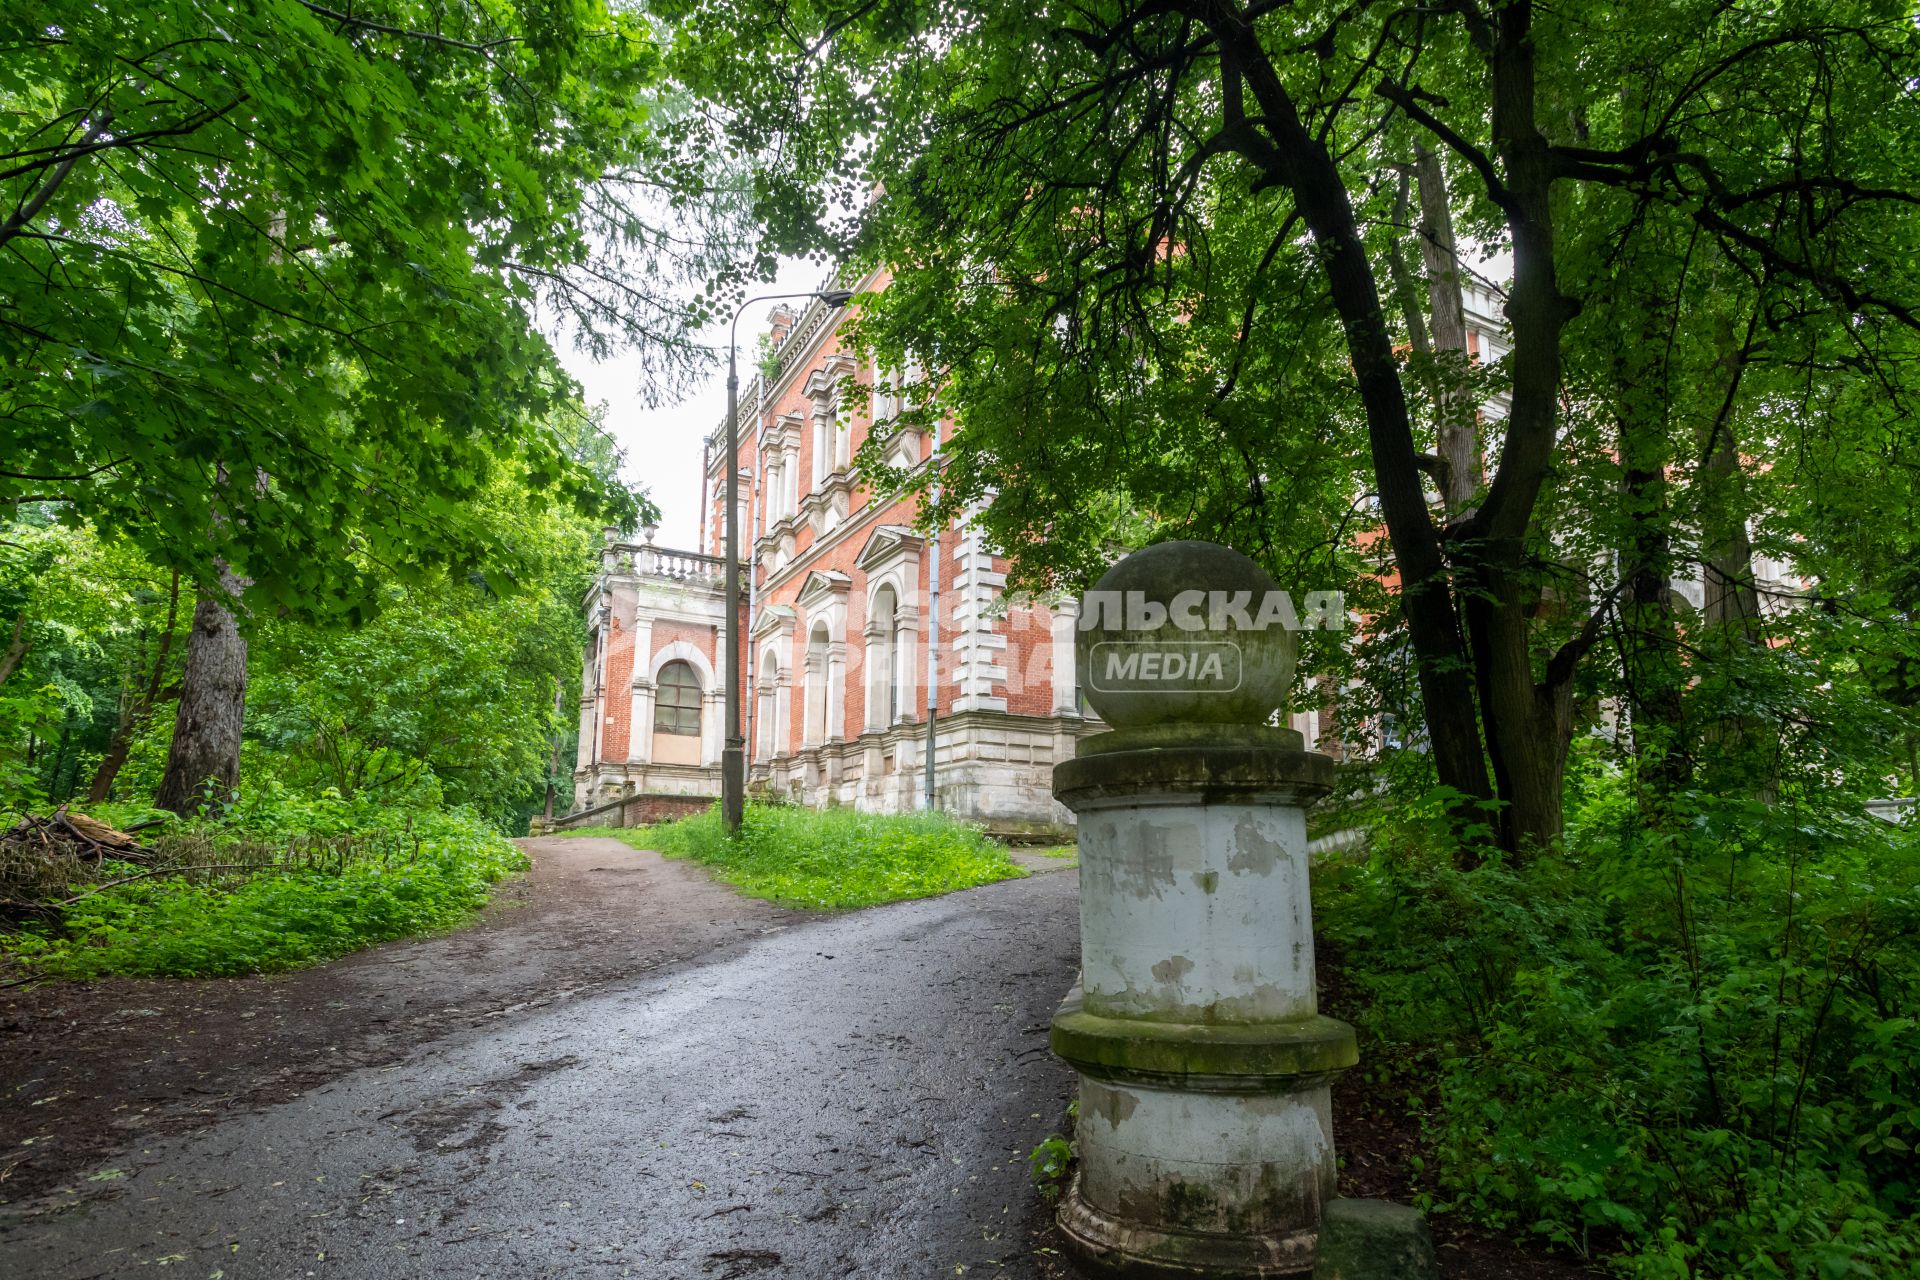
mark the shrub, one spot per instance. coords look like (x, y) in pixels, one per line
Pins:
(321, 879)
(1690, 1043)
(834, 857)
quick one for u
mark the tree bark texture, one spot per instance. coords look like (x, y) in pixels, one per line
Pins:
(1456, 416)
(1732, 606)
(204, 759)
(1643, 394)
(16, 651)
(1302, 162)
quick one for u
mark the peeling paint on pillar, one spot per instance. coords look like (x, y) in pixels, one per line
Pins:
(1222, 887)
(1205, 1135)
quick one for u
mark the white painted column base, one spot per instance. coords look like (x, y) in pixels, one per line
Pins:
(1205, 1134)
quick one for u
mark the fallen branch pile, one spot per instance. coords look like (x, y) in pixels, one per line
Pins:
(42, 860)
(51, 863)
(77, 834)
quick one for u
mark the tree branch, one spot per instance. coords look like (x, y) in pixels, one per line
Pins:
(1482, 163)
(432, 37)
(34, 203)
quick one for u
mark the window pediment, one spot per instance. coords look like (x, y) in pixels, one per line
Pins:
(775, 619)
(887, 544)
(823, 585)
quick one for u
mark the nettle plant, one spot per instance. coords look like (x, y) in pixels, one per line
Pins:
(1692, 1045)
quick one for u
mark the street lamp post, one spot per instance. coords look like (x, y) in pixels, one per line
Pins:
(733, 756)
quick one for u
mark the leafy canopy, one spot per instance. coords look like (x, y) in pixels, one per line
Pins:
(268, 276)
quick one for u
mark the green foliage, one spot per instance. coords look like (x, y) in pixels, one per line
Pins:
(1067, 853)
(80, 621)
(1049, 1163)
(1151, 261)
(1692, 1042)
(448, 693)
(355, 876)
(831, 858)
(269, 300)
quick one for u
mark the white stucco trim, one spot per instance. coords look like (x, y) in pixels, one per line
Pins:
(682, 651)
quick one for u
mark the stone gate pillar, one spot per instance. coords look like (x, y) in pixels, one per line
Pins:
(1205, 1136)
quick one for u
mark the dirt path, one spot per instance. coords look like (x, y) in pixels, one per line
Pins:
(87, 1067)
(851, 1096)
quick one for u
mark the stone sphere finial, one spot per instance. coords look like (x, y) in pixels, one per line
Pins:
(1186, 633)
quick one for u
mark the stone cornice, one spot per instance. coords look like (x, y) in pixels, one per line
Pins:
(803, 341)
(773, 618)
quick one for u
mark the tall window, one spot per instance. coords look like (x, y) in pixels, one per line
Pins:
(814, 732)
(883, 661)
(676, 705)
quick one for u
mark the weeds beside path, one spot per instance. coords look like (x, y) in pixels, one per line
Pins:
(833, 858)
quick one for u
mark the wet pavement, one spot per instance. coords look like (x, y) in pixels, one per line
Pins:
(849, 1096)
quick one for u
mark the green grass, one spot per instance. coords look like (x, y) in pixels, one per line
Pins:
(830, 858)
(273, 919)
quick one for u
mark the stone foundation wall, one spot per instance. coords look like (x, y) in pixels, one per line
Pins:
(989, 766)
(644, 811)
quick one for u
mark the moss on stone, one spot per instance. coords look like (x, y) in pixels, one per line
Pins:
(1128, 1048)
(1374, 1240)
(1144, 737)
(1280, 775)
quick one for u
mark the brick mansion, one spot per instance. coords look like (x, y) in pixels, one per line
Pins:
(852, 618)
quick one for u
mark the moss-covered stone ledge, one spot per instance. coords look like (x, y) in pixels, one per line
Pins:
(1197, 774)
(1258, 1057)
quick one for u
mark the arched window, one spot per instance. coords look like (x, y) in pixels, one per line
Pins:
(676, 706)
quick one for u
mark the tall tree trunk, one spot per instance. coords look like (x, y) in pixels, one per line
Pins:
(1643, 393)
(1731, 615)
(60, 756)
(1406, 293)
(1650, 633)
(1433, 625)
(1528, 719)
(205, 754)
(16, 651)
(1480, 569)
(1457, 416)
(1732, 602)
(139, 708)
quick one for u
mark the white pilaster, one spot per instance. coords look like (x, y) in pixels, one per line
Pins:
(836, 726)
(906, 672)
(877, 656)
(640, 727)
(1065, 619)
(713, 711)
(783, 713)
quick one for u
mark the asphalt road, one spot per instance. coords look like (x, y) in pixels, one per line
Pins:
(852, 1096)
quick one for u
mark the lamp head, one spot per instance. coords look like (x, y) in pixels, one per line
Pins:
(836, 297)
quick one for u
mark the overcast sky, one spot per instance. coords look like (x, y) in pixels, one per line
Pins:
(662, 446)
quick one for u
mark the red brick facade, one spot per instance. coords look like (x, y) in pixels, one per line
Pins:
(838, 619)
